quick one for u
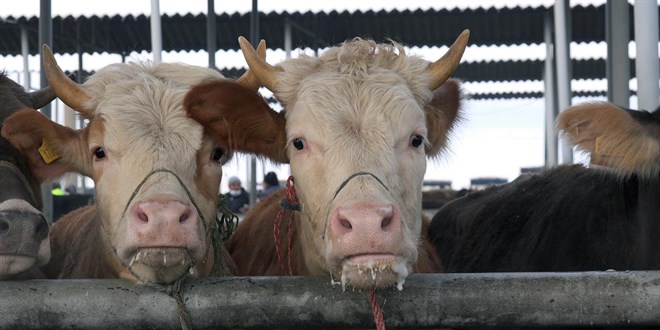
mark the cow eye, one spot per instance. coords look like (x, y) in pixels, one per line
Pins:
(298, 143)
(99, 153)
(416, 140)
(217, 155)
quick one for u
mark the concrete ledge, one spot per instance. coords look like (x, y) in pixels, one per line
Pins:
(438, 300)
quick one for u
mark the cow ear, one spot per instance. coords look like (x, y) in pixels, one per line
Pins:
(612, 137)
(41, 142)
(239, 118)
(442, 113)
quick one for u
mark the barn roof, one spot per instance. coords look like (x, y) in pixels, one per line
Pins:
(489, 26)
(117, 34)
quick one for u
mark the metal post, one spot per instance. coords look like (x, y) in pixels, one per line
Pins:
(211, 32)
(45, 37)
(617, 66)
(647, 66)
(550, 94)
(25, 51)
(156, 32)
(562, 12)
(254, 37)
(287, 37)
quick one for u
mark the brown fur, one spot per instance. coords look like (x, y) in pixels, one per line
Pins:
(252, 246)
(238, 118)
(613, 138)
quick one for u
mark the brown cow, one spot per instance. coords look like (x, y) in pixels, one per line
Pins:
(155, 171)
(360, 121)
(24, 243)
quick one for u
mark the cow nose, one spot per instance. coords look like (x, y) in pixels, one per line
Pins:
(21, 225)
(162, 212)
(365, 220)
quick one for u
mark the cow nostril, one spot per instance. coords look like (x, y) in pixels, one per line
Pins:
(346, 224)
(386, 222)
(143, 217)
(185, 216)
(42, 229)
(4, 227)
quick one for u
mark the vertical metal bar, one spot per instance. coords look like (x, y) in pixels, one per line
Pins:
(254, 37)
(25, 51)
(45, 37)
(562, 13)
(79, 79)
(211, 32)
(550, 94)
(617, 66)
(647, 66)
(156, 32)
(287, 37)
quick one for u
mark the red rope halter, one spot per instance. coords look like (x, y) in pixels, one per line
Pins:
(376, 310)
(291, 203)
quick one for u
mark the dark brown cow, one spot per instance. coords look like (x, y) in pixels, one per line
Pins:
(359, 124)
(24, 242)
(156, 174)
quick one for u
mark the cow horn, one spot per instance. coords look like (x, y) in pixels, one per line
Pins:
(66, 89)
(248, 79)
(265, 73)
(443, 68)
(42, 97)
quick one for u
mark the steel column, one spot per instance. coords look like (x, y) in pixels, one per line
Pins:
(550, 86)
(211, 33)
(647, 67)
(562, 15)
(617, 35)
(156, 32)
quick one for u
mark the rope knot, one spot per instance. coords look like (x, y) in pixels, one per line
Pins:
(289, 203)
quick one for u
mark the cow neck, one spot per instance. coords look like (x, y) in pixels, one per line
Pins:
(648, 213)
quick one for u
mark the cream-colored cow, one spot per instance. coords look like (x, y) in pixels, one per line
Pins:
(360, 121)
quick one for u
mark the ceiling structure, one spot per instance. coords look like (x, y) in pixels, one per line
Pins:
(504, 27)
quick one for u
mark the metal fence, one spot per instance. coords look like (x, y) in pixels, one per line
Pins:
(427, 301)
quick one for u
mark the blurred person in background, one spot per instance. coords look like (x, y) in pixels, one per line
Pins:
(270, 185)
(238, 199)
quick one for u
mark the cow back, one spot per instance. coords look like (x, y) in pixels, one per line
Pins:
(566, 219)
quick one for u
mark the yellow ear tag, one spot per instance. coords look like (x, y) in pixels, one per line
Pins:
(47, 152)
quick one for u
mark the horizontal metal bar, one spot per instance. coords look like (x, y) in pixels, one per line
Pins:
(438, 300)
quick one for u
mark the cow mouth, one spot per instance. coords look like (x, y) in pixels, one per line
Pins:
(15, 263)
(160, 264)
(373, 270)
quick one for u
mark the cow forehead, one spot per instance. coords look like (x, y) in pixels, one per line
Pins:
(344, 108)
(357, 60)
(141, 105)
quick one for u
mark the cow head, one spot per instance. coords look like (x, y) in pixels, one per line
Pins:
(360, 121)
(23, 228)
(626, 142)
(156, 173)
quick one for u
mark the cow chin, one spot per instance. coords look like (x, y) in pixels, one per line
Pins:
(160, 265)
(14, 264)
(374, 272)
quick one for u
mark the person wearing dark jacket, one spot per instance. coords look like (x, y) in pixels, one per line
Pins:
(271, 184)
(238, 199)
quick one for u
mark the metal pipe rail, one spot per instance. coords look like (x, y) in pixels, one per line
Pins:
(435, 300)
